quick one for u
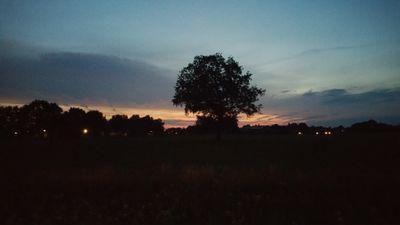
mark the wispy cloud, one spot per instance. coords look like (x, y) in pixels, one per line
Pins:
(342, 97)
(315, 51)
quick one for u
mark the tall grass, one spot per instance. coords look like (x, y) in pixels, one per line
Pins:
(350, 179)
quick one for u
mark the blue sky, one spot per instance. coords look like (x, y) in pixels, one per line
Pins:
(127, 54)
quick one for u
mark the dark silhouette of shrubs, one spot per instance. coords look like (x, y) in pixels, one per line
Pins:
(371, 126)
(303, 129)
(176, 131)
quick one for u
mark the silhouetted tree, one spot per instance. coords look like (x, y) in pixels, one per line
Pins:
(9, 120)
(96, 123)
(38, 117)
(370, 126)
(73, 122)
(135, 127)
(119, 124)
(216, 88)
(152, 126)
(145, 126)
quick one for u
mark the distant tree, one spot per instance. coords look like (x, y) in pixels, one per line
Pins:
(119, 124)
(96, 123)
(73, 122)
(370, 126)
(145, 126)
(39, 116)
(152, 126)
(135, 127)
(9, 120)
(216, 88)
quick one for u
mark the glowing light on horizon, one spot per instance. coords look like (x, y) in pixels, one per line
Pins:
(176, 117)
(85, 131)
(172, 117)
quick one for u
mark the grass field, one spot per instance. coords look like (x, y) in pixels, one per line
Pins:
(349, 179)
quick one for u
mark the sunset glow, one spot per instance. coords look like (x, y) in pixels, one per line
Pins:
(314, 69)
(174, 117)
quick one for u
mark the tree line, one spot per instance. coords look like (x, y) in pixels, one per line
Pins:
(207, 126)
(43, 119)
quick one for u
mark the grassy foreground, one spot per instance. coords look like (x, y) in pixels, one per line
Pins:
(349, 179)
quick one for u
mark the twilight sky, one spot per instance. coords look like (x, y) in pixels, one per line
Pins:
(321, 62)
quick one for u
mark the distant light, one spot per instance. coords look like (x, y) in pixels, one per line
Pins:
(299, 133)
(15, 133)
(317, 133)
(44, 130)
(326, 132)
(329, 132)
(85, 131)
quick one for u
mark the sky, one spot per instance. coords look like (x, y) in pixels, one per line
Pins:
(321, 62)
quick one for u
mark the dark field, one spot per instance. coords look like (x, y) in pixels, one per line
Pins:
(350, 179)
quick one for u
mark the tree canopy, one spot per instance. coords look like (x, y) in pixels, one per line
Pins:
(216, 88)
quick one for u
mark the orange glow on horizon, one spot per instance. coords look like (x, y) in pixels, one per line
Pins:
(176, 117)
(172, 117)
